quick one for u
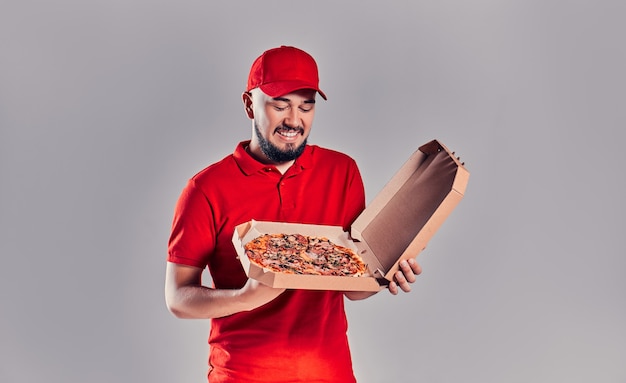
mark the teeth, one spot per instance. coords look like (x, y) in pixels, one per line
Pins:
(288, 134)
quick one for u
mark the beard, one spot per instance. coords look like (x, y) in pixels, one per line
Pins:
(274, 153)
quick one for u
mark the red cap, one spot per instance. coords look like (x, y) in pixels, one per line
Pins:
(280, 71)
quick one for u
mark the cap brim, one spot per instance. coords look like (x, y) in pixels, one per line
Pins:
(277, 89)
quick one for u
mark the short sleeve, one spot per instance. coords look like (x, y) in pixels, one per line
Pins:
(193, 236)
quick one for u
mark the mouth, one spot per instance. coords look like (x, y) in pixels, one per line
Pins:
(288, 132)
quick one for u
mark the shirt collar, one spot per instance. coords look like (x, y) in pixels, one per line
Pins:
(249, 165)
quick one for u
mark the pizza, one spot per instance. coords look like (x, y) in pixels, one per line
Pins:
(302, 254)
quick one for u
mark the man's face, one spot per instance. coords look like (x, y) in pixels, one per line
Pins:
(282, 124)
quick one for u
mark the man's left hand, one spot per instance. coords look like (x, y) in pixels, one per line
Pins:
(403, 278)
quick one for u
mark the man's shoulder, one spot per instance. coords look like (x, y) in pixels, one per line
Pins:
(218, 169)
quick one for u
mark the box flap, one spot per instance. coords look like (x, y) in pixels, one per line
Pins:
(403, 217)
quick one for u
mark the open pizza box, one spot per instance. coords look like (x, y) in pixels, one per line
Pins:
(397, 224)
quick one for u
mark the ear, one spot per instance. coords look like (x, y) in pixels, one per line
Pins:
(246, 97)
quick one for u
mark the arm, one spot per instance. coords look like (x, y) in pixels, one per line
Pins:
(186, 297)
(402, 279)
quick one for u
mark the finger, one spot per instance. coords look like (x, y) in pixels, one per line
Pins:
(417, 269)
(407, 272)
(402, 281)
(393, 288)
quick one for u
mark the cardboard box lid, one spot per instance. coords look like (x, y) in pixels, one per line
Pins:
(403, 217)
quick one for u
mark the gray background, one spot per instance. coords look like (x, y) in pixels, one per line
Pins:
(107, 107)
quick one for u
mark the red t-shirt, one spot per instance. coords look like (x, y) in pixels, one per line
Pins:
(301, 335)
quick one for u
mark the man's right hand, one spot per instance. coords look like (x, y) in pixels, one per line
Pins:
(257, 294)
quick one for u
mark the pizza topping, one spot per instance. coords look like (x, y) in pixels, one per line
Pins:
(299, 254)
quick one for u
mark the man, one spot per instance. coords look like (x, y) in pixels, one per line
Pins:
(259, 333)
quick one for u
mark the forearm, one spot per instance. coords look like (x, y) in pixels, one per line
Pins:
(201, 302)
(187, 297)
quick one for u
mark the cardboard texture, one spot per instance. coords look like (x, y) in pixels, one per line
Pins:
(396, 225)
(404, 216)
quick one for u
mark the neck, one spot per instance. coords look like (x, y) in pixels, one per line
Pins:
(283, 167)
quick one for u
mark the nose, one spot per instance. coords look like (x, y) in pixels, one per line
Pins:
(292, 119)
